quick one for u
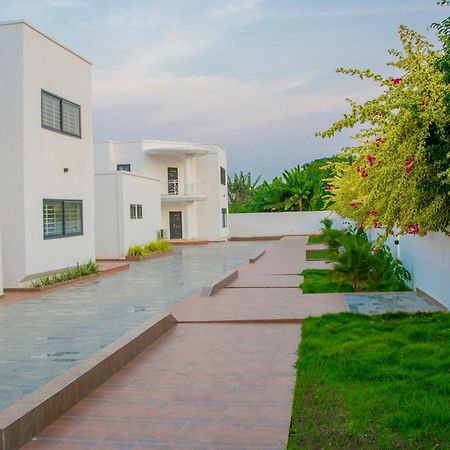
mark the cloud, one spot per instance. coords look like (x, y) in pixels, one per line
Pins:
(210, 107)
(234, 7)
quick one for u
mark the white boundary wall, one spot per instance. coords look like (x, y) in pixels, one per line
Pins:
(280, 223)
(1, 265)
(428, 260)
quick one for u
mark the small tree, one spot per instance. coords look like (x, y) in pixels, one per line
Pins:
(398, 174)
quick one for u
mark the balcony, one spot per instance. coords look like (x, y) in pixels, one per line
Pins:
(174, 191)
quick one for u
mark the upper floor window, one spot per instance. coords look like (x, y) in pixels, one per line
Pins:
(62, 218)
(135, 211)
(223, 176)
(124, 167)
(60, 115)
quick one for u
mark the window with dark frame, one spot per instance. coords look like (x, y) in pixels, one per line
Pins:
(62, 218)
(133, 212)
(59, 114)
(123, 167)
(223, 176)
(224, 218)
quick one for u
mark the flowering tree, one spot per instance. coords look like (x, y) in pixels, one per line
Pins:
(398, 173)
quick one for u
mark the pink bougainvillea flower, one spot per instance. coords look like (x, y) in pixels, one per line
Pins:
(408, 169)
(379, 141)
(358, 169)
(354, 205)
(329, 187)
(409, 162)
(376, 223)
(364, 174)
(372, 212)
(396, 80)
(422, 103)
(413, 229)
(371, 160)
(392, 232)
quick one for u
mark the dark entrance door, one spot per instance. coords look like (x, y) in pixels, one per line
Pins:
(172, 177)
(176, 225)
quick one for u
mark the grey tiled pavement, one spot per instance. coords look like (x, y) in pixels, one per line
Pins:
(46, 335)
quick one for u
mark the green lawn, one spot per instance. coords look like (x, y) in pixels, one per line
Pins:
(315, 239)
(321, 281)
(373, 382)
(319, 254)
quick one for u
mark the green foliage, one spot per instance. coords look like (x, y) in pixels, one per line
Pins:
(398, 174)
(372, 382)
(298, 189)
(159, 246)
(320, 281)
(331, 236)
(360, 264)
(325, 254)
(241, 189)
(315, 239)
(71, 273)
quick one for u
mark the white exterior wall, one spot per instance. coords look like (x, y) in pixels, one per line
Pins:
(34, 158)
(280, 223)
(115, 230)
(198, 173)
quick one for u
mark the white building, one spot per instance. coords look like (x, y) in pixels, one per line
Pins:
(47, 184)
(192, 190)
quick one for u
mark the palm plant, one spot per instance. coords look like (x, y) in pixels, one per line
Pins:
(241, 190)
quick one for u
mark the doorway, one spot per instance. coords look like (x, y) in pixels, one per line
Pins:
(176, 225)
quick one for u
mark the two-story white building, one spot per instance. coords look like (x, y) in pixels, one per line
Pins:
(187, 181)
(46, 181)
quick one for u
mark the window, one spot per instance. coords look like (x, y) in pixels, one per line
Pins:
(223, 176)
(224, 218)
(58, 114)
(62, 218)
(135, 211)
(124, 167)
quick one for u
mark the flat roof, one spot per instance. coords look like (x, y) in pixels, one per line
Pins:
(156, 141)
(23, 22)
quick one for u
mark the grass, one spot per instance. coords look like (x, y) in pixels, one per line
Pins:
(321, 281)
(312, 255)
(373, 382)
(315, 239)
(159, 246)
(81, 270)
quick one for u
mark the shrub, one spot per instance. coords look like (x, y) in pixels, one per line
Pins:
(71, 273)
(159, 246)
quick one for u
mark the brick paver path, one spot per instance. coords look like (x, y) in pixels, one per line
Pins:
(221, 385)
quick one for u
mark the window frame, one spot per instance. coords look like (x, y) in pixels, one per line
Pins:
(133, 211)
(64, 234)
(61, 114)
(139, 213)
(122, 169)
(223, 176)
(224, 217)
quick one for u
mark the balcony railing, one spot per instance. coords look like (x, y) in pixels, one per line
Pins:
(174, 187)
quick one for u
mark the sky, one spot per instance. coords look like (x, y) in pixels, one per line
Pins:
(257, 76)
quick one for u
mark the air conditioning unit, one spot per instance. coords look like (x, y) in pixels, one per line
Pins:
(162, 234)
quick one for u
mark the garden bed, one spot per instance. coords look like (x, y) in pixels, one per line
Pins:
(372, 382)
(150, 255)
(319, 255)
(315, 239)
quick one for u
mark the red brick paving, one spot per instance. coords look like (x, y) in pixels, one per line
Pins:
(205, 386)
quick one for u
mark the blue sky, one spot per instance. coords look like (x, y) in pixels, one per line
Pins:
(255, 75)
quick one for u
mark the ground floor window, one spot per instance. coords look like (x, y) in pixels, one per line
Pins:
(224, 218)
(62, 218)
(135, 211)
(124, 167)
